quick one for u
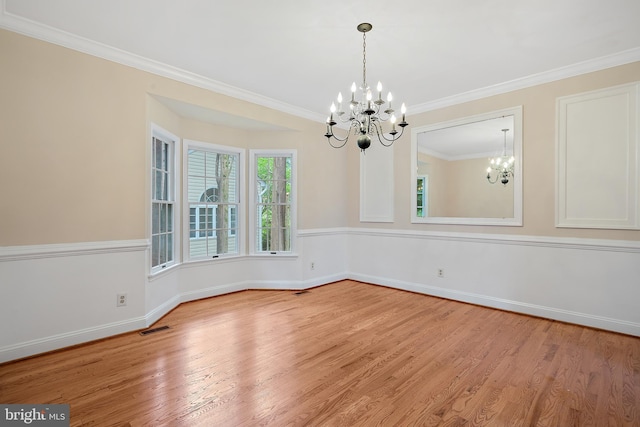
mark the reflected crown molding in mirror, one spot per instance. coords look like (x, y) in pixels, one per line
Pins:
(448, 170)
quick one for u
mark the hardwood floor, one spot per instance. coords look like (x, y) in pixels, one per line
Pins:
(344, 354)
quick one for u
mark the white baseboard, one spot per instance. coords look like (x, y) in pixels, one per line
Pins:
(319, 281)
(157, 313)
(297, 284)
(584, 319)
(213, 291)
(55, 342)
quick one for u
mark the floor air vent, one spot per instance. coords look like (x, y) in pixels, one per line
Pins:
(151, 331)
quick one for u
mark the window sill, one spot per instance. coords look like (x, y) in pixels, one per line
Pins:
(156, 274)
(219, 259)
(289, 255)
(225, 259)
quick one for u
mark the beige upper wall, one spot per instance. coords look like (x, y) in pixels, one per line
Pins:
(74, 141)
(539, 123)
(74, 146)
(70, 153)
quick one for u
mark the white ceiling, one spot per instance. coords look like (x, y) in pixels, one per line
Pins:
(295, 55)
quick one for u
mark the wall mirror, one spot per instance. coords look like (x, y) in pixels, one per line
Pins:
(449, 162)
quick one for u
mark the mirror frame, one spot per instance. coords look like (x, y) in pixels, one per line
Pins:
(514, 221)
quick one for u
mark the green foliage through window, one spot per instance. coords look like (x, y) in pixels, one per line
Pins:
(273, 189)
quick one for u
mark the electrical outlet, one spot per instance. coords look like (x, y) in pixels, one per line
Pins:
(313, 265)
(441, 272)
(121, 300)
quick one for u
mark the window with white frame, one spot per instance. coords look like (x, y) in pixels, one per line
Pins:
(272, 216)
(213, 199)
(163, 199)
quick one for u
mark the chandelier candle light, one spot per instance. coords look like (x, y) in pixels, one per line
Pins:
(502, 166)
(366, 114)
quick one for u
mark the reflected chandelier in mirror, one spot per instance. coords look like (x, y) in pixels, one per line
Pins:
(449, 170)
(502, 166)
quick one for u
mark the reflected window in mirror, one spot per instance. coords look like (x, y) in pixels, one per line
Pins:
(453, 157)
(422, 184)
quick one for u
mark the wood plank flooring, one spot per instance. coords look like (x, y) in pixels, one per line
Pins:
(343, 354)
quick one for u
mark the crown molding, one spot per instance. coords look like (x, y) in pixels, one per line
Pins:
(592, 65)
(49, 34)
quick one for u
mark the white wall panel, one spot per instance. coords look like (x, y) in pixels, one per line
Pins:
(597, 160)
(376, 183)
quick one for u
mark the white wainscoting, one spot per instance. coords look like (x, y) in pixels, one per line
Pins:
(588, 282)
(55, 296)
(59, 295)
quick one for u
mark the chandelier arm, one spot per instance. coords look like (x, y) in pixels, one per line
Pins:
(338, 139)
(347, 120)
(379, 132)
(378, 115)
(344, 141)
(505, 175)
(354, 124)
(381, 136)
(380, 118)
(489, 179)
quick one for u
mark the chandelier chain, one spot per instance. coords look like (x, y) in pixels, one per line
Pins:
(364, 61)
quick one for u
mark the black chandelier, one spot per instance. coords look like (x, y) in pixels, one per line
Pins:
(365, 115)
